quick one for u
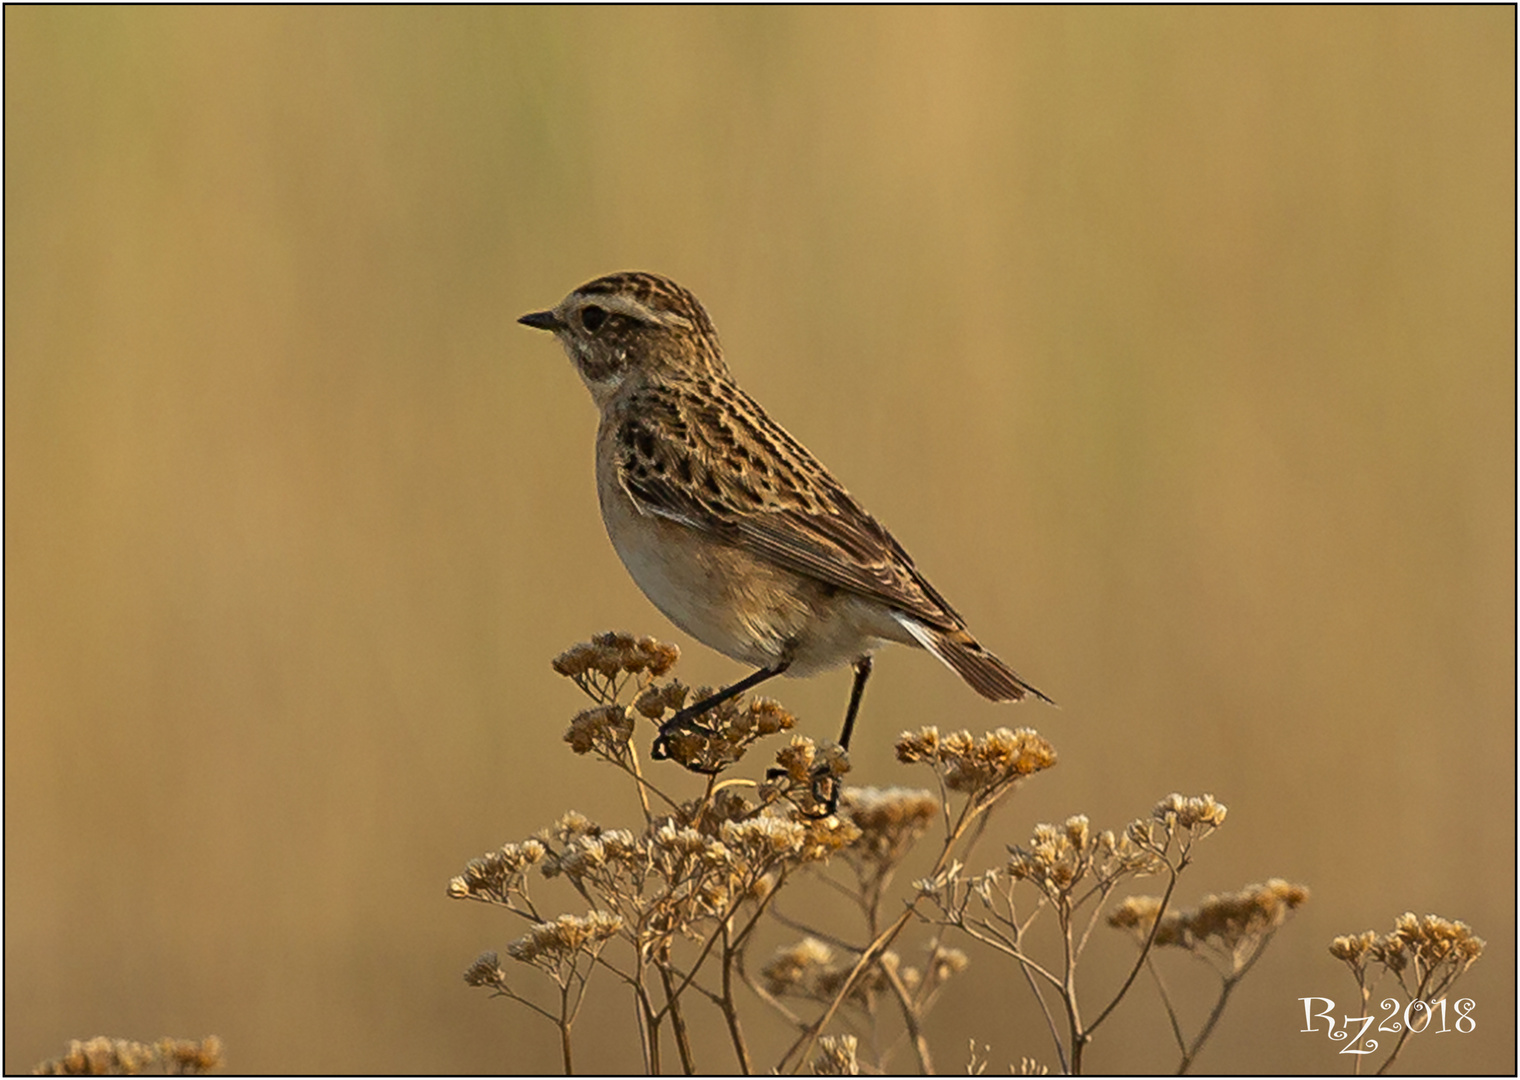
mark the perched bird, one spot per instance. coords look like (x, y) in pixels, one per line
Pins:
(727, 523)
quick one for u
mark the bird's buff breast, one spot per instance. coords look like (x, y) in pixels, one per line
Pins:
(707, 588)
(745, 608)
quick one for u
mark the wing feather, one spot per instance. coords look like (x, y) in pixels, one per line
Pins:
(738, 476)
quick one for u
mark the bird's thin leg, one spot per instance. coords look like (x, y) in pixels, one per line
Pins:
(685, 720)
(862, 673)
(825, 783)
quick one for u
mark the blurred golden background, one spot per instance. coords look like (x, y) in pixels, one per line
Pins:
(1177, 345)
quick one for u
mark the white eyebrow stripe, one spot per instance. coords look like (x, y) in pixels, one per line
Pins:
(627, 305)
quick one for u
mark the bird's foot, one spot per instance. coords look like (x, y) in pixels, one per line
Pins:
(824, 785)
(683, 739)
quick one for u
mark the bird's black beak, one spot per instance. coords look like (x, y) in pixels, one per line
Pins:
(543, 320)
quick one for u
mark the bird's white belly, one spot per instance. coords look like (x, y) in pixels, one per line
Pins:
(745, 608)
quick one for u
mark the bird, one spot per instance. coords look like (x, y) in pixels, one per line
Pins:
(728, 524)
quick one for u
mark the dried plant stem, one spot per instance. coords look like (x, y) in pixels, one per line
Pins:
(1418, 994)
(677, 1019)
(732, 953)
(910, 1021)
(1166, 1003)
(1145, 950)
(803, 1047)
(564, 1022)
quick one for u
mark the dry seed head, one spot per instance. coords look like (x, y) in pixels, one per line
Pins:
(654, 701)
(1137, 913)
(102, 1056)
(797, 759)
(613, 653)
(1189, 812)
(1434, 939)
(1228, 919)
(889, 819)
(837, 1056)
(584, 855)
(922, 745)
(555, 941)
(1354, 949)
(678, 839)
(1233, 917)
(606, 728)
(495, 873)
(794, 966)
(969, 764)
(763, 838)
(824, 836)
(945, 962)
(571, 825)
(485, 971)
(187, 1056)
(1076, 830)
(770, 718)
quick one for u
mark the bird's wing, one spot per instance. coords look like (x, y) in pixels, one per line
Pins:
(715, 462)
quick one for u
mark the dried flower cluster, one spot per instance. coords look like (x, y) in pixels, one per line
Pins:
(1073, 869)
(102, 1056)
(550, 944)
(981, 767)
(1199, 813)
(728, 730)
(837, 1056)
(1234, 925)
(811, 970)
(672, 876)
(1432, 950)
(607, 657)
(1061, 856)
(1425, 955)
(672, 905)
(890, 821)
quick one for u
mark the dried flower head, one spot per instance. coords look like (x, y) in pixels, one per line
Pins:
(571, 824)
(485, 971)
(1235, 926)
(823, 836)
(602, 666)
(1354, 949)
(1435, 951)
(497, 874)
(612, 653)
(1059, 856)
(1137, 913)
(727, 730)
(806, 774)
(984, 767)
(809, 969)
(654, 701)
(1232, 918)
(102, 1056)
(606, 729)
(890, 820)
(1195, 812)
(550, 944)
(761, 840)
(795, 966)
(836, 1056)
(945, 962)
(1434, 940)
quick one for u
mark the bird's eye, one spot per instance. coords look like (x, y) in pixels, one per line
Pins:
(592, 317)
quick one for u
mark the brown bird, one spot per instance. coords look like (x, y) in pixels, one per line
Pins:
(727, 523)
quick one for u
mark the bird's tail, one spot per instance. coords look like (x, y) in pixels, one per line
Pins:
(964, 655)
